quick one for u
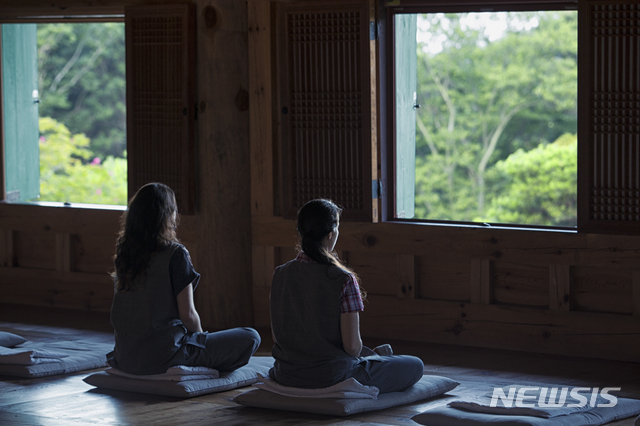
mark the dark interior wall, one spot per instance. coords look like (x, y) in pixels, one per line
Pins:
(527, 290)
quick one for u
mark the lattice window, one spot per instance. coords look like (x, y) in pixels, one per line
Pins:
(326, 106)
(161, 99)
(611, 142)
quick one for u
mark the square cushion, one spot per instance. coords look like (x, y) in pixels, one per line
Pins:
(243, 376)
(427, 387)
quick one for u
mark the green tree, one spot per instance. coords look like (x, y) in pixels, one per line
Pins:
(539, 186)
(82, 83)
(483, 99)
(68, 174)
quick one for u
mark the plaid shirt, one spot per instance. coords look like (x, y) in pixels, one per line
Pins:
(350, 298)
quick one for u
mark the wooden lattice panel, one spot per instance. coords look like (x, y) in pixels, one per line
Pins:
(615, 113)
(327, 105)
(161, 100)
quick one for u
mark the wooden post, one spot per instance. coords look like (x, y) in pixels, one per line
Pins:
(635, 293)
(7, 253)
(481, 291)
(64, 256)
(406, 264)
(376, 204)
(260, 111)
(559, 287)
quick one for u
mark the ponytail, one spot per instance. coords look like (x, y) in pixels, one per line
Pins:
(316, 219)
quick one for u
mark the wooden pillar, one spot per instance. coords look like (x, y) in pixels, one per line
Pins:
(223, 215)
(559, 287)
(260, 111)
(635, 293)
(406, 264)
(481, 290)
(7, 254)
(260, 148)
(64, 255)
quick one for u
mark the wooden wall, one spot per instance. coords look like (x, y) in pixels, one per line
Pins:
(550, 292)
(541, 291)
(61, 256)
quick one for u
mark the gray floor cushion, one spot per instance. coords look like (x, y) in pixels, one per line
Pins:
(243, 376)
(448, 416)
(427, 387)
(85, 350)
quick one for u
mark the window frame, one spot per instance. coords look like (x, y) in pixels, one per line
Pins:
(388, 144)
(186, 193)
(42, 16)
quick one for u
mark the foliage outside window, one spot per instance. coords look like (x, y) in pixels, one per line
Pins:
(81, 73)
(80, 99)
(495, 116)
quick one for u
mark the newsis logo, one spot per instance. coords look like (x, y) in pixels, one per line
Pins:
(557, 397)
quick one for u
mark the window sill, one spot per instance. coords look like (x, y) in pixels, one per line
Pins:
(536, 228)
(67, 205)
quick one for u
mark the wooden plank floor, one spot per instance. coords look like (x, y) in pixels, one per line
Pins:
(67, 400)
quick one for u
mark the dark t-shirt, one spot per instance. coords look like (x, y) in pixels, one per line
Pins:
(149, 334)
(181, 271)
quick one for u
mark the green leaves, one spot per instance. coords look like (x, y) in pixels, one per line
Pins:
(539, 186)
(68, 173)
(484, 97)
(82, 81)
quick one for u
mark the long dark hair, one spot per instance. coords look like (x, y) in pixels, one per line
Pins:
(316, 219)
(147, 226)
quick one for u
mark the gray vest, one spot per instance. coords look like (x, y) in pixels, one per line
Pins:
(305, 316)
(148, 330)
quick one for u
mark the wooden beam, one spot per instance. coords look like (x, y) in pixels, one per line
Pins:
(540, 247)
(500, 327)
(61, 219)
(41, 287)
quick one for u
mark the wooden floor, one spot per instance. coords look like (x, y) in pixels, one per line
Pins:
(67, 400)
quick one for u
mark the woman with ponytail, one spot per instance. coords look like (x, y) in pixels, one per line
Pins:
(153, 313)
(315, 303)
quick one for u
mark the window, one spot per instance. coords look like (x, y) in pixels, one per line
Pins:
(64, 102)
(64, 112)
(160, 101)
(486, 115)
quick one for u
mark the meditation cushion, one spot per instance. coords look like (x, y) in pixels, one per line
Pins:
(243, 376)
(426, 387)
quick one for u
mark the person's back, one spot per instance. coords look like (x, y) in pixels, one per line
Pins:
(153, 313)
(146, 320)
(305, 316)
(315, 303)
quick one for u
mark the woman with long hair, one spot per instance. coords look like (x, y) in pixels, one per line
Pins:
(153, 313)
(315, 303)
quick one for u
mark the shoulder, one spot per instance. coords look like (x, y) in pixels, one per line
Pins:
(338, 273)
(280, 268)
(177, 250)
